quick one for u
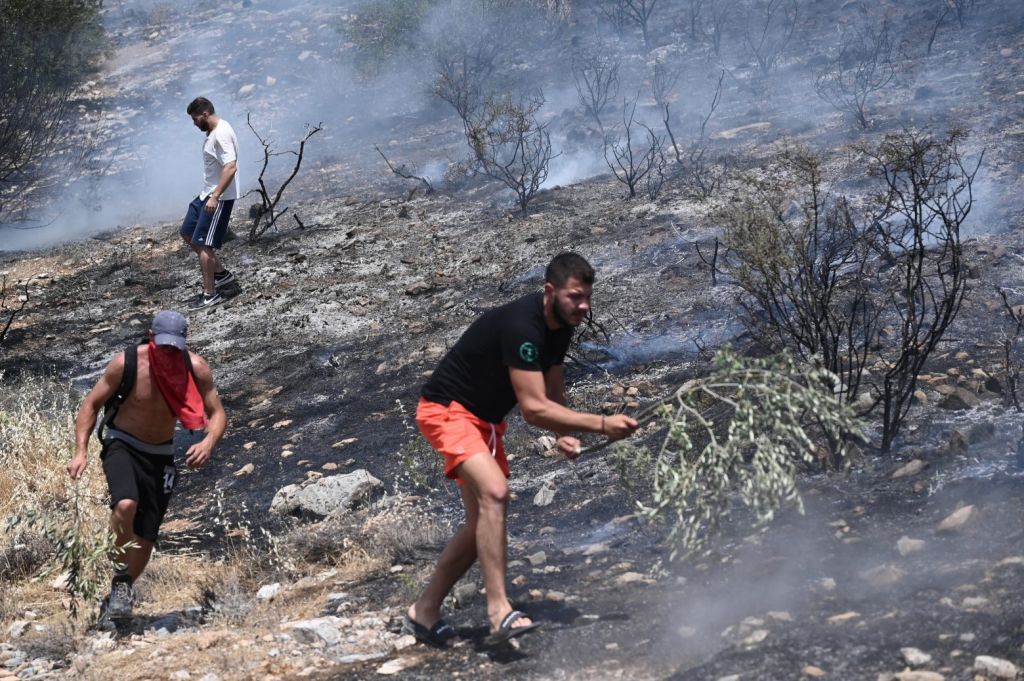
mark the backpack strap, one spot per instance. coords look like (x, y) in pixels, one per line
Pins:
(131, 365)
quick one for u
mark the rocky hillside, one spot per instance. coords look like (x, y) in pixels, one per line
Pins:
(906, 566)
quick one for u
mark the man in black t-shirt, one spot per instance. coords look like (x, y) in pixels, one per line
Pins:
(511, 354)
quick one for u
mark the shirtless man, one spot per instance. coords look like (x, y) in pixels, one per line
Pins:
(510, 354)
(138, 450)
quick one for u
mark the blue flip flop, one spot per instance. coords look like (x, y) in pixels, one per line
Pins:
(506, 631)
(437, 636)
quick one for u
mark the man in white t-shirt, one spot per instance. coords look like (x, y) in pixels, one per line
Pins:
(206, 222)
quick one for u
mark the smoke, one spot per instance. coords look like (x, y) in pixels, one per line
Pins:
(288, 65)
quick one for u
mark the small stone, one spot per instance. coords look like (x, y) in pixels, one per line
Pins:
(974, 603)
(536, 559)
(545, 495)
(555, 596)
(271, 81)
(755, 637)
(544, 444)
(246, 89)
(994, 666)
(919, 676)
(17, 629)
(611, 646)
(910, 468)
(915, 657)
(394, 666)
(180, 675)
(268, 591)
(303, 56)
(419, 288)
(957, 520)
(330, 466)
(344, 443)
(519, 580)
(633, 578)
(245, 470)
(827, 584)
(405, 641)
(843, 617)
(282, 424)
(883, 575)
(248, 445)
(959, 399)
(907, 546)
(813, 672)
(595, 549)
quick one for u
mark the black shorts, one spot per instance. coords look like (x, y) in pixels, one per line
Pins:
(145, 478)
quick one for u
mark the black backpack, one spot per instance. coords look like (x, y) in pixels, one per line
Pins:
(131, 370)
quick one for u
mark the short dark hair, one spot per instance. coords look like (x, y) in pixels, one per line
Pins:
(566, 266)
(200, 105)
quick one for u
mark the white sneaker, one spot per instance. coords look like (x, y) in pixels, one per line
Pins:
(208, 301)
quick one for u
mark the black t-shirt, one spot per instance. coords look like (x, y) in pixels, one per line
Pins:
(474, 373)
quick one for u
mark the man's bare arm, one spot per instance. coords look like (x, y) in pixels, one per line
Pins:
(226, 175)
(104, 389)
(541, 411)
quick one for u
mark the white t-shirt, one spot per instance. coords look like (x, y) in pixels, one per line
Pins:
(219, 149)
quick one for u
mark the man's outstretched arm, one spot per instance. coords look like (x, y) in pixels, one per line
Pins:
(542, 411)
(104, 389)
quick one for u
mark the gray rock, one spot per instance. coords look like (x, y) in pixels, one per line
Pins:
(958, 399)
(907, 546)
(333, 494)
(910, 468)
(17, 629)
(994, 666)
(536, 559)
(883, 575)
(320, 629)
(268, 591)
(918, 676)
(957, 519)
(915, 657)
(180, 675)
(545, 495)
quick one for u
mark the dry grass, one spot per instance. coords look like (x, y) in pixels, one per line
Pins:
(368, 542)
(36, 443)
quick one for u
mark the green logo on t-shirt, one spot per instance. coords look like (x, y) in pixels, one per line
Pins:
(528, 351)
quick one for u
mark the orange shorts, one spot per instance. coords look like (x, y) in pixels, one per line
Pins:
(457, 434)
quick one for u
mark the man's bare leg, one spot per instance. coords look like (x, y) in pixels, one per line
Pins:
(487, 483)
(455, 560)
(122, 522)
(208, 264)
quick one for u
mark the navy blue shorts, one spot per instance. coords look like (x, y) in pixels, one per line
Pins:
(206, 229)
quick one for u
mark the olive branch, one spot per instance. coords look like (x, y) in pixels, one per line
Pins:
(739, 436)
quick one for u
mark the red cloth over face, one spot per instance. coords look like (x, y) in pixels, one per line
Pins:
(168, 369)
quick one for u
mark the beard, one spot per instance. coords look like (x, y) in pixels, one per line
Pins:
(562, 318)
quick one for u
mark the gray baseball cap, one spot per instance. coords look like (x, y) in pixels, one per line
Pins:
(169, 328)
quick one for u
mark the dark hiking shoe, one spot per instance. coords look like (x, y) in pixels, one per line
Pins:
(208, 301)
(119, 603)
(222, 279)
